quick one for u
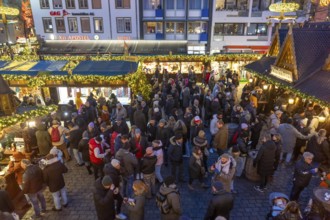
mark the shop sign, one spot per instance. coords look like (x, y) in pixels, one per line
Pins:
(83, 14)
(55, 13)
(281, 73)
(75, 37)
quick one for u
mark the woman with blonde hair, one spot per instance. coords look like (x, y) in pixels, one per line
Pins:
(135, 205)
(291, 212)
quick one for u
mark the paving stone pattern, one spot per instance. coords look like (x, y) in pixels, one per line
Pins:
(249, 204)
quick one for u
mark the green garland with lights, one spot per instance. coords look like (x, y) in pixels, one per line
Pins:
(288, 88)
(139, 83)
(19, 118)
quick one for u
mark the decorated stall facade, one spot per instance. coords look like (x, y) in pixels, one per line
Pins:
(296, 69)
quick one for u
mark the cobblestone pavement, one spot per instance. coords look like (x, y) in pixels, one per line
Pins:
(249, 204)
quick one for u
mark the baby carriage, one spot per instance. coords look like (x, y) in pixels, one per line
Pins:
(278, 202)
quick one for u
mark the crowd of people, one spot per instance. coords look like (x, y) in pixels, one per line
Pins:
(127, 148)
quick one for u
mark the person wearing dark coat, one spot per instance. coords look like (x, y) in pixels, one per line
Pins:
(33, 186)
(151, 129)
(136, 211)
(112, 170)
(90, 112)
(53, 177)
(43, 140)
(83, 148)
(319, 146)
(175, 156)
(75, 135)
(163, 134)
(120, 127)
(196, 168)
(265, 162)
(6, 205)
(195, 126)
(302, 175)
(103, 196)
(148, 166)
(221, 203)
(140, 119)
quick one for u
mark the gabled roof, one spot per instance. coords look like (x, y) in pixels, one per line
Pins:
(317, 85)
(312, 46)
(4, 88)
(261, 66)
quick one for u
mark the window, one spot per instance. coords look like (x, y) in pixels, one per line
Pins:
(231, 5)
(260, 5)
(83, 4)
(73, 25)
(170, 4)
(205, 4)
(124, 25)
(257, 29)
(85, 25)
(195, 4)
(153, 27)
(123, 3)
(48, 25)
(151, 4)
(70, 4)
(197, 27)
(96, 4)
(180, 4)
(174, 27)
(44, 4)
(98, 25)
(57, 4)
(60, 25)
(228, 29)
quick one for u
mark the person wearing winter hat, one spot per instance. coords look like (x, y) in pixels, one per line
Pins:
(171, 192)
(96, 155)
(148, 163)
(201, 142)
(57, 132)
(103, 196)
(220, 204)
(196, 168)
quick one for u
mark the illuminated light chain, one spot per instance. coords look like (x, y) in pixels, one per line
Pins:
(20, 118)
(9, 11)
(289, 88)
(284, 7)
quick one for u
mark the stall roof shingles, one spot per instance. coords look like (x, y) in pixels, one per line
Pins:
(312, 47)
(317, 85)
(262, 66)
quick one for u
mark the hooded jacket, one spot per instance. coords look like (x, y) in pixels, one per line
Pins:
(175, 151)
(319, 146)
(129, 161)
(53, 174)
(32, 179)
(173, 199)
(220, 204)
(43, 140)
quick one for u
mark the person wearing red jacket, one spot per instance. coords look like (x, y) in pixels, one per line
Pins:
(96, 155)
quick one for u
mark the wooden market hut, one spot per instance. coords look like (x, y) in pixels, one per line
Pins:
(7, 100)
(298, 61)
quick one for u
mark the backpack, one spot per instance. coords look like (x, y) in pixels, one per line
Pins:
(55, 135)
(162, 202)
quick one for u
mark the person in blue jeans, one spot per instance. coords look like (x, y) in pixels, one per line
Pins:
(32, 186)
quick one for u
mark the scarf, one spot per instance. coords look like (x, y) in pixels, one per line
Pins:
(198, 159)
(223, 167)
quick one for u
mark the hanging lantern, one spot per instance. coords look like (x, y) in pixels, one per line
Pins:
(321, 119)
(250, 80)
(265, 87)
(291, 101)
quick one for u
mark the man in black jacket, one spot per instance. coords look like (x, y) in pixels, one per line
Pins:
(175, 156)
(53, 177)
(33, 186)
(103, 196)
(75, 135)
(302, 175)
(221, 203)
(148, 165)
(112, 169)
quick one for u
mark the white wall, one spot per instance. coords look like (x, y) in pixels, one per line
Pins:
(39, 13)
(132, 13)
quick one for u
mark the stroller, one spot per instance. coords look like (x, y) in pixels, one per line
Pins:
(278, 202)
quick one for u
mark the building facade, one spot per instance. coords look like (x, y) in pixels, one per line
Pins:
(243, 25)
(84, 19)
(187, 20)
